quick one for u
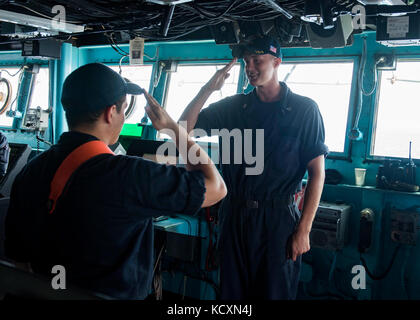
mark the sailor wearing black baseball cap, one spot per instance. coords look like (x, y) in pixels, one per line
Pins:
(92, 89)
(91, 211)
(259, 45)
(262, 57)
(262, 237)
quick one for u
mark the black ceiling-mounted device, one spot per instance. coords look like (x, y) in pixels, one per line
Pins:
(337, 37)
(319, 12)
(48, 48)
(288, 31)
(252, 28)
(16, 30)
(225, 33)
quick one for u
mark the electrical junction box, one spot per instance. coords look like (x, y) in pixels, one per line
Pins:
(329, 229)
(386, 62)
(36, 119)
(136, 51)
(404, 226)
(398, 30)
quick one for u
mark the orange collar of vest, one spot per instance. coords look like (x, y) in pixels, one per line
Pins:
(70, 164)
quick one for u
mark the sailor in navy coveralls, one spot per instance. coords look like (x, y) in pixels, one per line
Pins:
(262, 232)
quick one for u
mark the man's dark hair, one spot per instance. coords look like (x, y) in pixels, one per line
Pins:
(75, 119)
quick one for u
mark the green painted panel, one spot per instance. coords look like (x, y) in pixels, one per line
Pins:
(132, 130)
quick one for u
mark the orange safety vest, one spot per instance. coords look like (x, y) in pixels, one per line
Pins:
(70, 164)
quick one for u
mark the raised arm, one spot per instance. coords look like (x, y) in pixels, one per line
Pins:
(214, 183)
(191, 112)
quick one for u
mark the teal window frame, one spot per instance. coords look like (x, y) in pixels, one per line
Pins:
(370, 157)
(211, 145)
(13, 126)
(352, 104)
(25, 90)
(346, 154)
(203, 63)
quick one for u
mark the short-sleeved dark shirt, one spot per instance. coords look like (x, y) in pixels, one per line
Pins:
(101, 230)
(293, 136)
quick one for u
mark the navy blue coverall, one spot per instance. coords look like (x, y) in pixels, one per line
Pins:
(258, 216)
(101, 230)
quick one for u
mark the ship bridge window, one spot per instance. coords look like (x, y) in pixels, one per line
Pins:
(140, 75)
(329, 85)
(12, 74)
(41, 89)
(185, 84)
(397, 114)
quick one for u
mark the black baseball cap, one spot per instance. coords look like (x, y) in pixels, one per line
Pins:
(94, 87)
(259, 45)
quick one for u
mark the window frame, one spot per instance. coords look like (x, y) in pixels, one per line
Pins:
(19, 124)
(16, 124)
(211, 62)
(346, 154)
(373, 118)
(352, 103)
(127, 64)
(201, 63)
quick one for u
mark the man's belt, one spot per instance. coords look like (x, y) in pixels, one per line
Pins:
(274, 203)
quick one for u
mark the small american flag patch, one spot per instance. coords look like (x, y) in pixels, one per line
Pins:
(273, 49)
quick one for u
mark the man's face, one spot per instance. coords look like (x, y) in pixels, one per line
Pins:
(119, 120)
(260, 69)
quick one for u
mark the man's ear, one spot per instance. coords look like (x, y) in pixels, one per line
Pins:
(277, 62)
(109, 112)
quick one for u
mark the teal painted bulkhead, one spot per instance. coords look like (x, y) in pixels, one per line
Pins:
(326, 274)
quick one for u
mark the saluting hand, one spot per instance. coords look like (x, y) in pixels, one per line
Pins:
(218, 80)
(159, 117)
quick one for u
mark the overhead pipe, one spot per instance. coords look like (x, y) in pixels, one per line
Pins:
(169, 12)
(276, 7)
